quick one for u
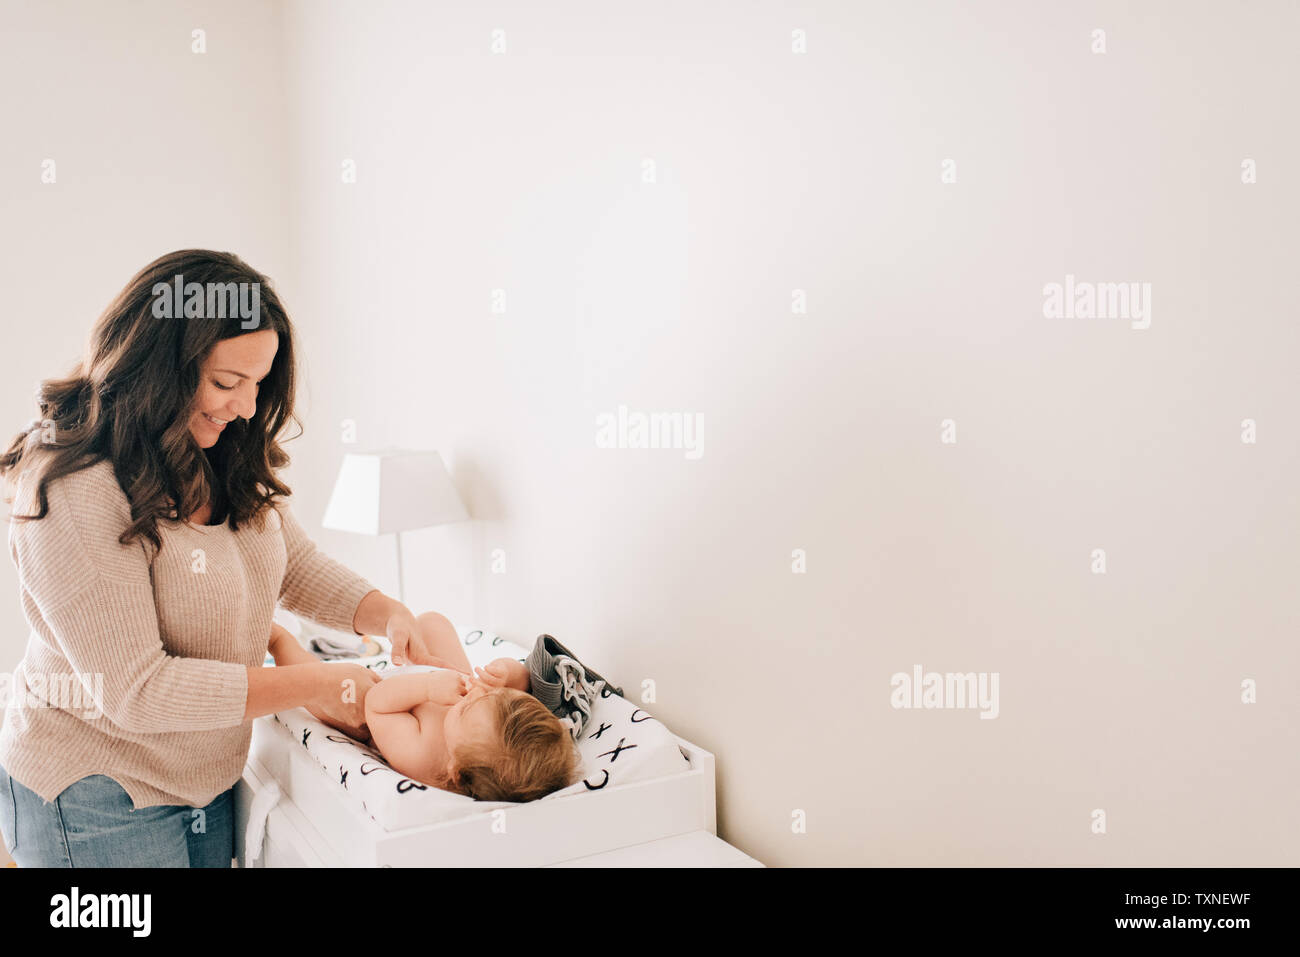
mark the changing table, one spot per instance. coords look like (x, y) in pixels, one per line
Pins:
(295, 808)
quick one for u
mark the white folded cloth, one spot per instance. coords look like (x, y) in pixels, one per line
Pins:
(258, 812)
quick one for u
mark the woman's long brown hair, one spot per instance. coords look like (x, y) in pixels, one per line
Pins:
(131, 398)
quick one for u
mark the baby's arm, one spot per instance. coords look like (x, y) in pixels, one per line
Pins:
(401, 693)
(394, 725)
(391, 704)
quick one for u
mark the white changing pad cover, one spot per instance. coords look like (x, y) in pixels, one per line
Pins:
(621, 743)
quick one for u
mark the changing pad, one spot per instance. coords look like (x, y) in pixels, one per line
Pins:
(621, 743)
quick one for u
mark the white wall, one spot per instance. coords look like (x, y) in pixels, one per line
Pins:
(821, 171)
(155, 148)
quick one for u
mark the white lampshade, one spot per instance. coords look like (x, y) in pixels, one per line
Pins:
(392, 491)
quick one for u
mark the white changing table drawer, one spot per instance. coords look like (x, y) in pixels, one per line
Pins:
(697, 849)
(290, 840)
(315, 823)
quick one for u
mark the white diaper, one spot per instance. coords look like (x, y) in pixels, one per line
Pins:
(407, 670)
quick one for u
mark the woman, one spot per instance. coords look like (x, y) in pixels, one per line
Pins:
(152, 544)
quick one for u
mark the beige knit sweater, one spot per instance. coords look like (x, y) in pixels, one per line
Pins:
(157, 640)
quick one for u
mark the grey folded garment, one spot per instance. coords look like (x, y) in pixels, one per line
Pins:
(562, 683)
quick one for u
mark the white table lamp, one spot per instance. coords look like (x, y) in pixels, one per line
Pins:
(393, 491)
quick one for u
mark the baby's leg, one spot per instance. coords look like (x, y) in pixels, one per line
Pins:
(441, 639)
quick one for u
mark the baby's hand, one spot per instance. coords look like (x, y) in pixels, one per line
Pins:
(448, 687)
(496, 674)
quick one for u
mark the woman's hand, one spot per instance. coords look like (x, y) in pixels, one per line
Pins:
(409, 643)
(341, 702)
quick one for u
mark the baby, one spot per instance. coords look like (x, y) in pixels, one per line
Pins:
(483, 736)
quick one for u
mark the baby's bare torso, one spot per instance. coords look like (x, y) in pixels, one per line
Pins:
(431, 716)
(425, 749)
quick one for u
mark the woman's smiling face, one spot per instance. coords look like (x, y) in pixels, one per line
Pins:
(228, 383)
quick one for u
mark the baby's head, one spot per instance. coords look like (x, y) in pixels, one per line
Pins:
(506, 746)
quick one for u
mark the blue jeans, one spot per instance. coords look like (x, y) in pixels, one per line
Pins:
(93, 823)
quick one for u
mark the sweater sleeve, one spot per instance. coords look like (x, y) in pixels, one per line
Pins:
(95, 599)
(316, 586)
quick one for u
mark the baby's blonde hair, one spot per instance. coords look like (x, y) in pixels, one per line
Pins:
(530, 755)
